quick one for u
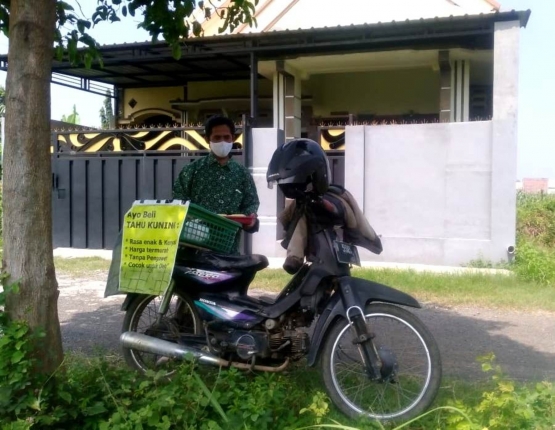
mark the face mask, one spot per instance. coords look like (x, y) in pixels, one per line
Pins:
(221, 149)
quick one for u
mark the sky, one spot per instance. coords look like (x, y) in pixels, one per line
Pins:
(536, 141)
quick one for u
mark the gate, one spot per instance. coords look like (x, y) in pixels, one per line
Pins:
(98, 174)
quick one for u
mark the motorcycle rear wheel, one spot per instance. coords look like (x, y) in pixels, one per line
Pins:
(140, 317)
(411, 370)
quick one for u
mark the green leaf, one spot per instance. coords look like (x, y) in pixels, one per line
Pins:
(59, 52)
(65, 396)
(35, 405)
(64, 6)
(486, 367)
(17, 356)
(88, 60)
(176, 51)
(97, 408)
(208, 394)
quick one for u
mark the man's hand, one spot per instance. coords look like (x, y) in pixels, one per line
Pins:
(251, 227)
(253, 222)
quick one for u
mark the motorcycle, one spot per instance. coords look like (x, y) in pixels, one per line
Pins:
(376, 358)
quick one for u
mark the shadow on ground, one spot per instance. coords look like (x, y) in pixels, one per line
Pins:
(461, 340)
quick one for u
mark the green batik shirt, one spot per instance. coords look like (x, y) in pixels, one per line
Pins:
(227, 189)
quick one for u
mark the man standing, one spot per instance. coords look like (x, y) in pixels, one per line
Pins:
(216, 182)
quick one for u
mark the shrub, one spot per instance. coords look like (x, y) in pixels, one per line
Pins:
(535, 256)
(535, 263)
(102, 393)
(1, 214)
(508, 405)
(536, 219)
(18, 386)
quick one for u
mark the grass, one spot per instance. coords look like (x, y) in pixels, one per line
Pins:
(451, 390)
(111, 381)
(81, 267)
(468, 289)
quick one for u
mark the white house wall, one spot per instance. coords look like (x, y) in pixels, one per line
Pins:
(427, 189)
(505, 121)
(444, 193)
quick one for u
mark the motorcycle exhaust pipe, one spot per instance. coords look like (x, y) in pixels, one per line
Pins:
(144, 343)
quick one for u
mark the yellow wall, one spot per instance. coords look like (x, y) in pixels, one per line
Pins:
(228, 89)
(158, 98)
(150, 98)
(393, 92)
(208, 90)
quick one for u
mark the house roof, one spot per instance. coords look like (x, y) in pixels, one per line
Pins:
(279, 15)
(227, 57)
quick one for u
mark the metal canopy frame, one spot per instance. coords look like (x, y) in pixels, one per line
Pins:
(234, 57)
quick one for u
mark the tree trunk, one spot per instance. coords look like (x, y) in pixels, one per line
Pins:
(28, 255)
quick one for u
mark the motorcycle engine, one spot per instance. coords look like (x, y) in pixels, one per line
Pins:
(294, 342)
(279, 338)
(245, 344)
(248, 344)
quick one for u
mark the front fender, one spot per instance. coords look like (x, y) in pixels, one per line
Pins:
(128, 299)
(367, 292)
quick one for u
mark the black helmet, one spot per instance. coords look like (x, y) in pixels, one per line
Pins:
(299, 166)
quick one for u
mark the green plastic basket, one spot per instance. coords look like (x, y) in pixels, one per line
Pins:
(208, 230)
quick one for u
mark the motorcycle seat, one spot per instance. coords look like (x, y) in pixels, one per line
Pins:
(217, 261)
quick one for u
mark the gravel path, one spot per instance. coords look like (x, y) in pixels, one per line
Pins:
(523, 342)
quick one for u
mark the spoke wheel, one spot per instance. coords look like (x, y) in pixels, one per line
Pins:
(141, 317)
(411, 370)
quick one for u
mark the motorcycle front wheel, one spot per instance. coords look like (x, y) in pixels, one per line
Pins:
(141, 317)
(411, 366)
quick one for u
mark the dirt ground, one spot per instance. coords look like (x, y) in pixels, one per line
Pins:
(523, 342)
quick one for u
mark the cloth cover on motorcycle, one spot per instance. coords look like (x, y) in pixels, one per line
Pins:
(339, 208)
(112, 284)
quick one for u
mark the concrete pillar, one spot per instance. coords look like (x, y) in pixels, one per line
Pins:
(504, 141)
(264, 143)
(355, 162)
(287, 100)
(445, 90)
(460, 91)
(279, 100)
(292, 107)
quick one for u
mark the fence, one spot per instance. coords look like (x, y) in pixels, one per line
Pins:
(98, 174)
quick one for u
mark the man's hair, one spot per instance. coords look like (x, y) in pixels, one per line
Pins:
(217, 120)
